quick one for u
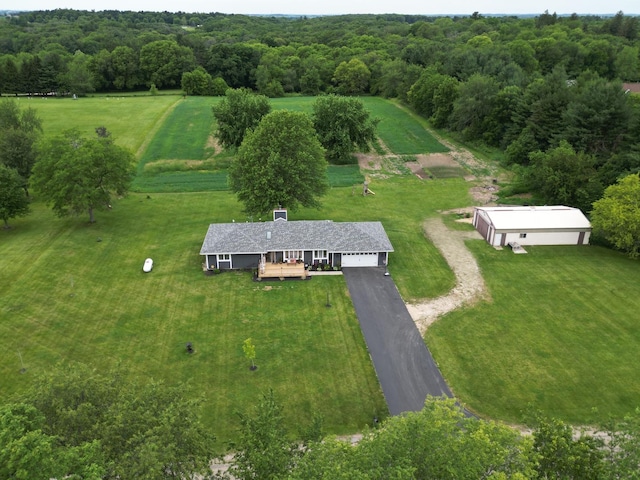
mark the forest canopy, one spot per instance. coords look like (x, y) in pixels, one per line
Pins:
(522, 86)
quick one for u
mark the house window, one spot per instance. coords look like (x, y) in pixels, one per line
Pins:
(320, 255)
(224, 256)
(292, 255)
(523, 235)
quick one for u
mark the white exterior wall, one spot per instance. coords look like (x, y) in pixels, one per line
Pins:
(545, 238)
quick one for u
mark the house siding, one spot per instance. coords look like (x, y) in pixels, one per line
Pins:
(547, 238)
(482, 225)
(246, 261)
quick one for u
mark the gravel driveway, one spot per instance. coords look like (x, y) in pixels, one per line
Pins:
(470, 285)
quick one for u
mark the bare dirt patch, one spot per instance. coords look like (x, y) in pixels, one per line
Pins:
(367, 161)
(417, 169)
(436, 160)
(484, 194)
(213, 144)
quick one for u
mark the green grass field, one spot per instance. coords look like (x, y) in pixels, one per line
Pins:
(401, 132)
(185, 134)
(131, 120)
(68, 297)
(179, 157)
(561, 333)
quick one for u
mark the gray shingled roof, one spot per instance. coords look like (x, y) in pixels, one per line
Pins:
(295, 235)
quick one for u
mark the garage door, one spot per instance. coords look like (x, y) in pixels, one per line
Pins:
(360, 259)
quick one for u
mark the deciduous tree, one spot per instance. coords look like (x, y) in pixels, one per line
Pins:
(124, 429)
(126, 71)
(239, 111)
(76, 174)
(163, 62)
(13, 198)
(263, 448)
(343, 125)
(616, 216)
(27, 452)
(563, 176)
(281, 162)
(560, 455)
(78, 79)
(249, 350)
(197, 82)
(352, 77)
(19, 131)
(437, 442)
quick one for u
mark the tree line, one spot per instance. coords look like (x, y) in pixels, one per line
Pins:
(75, 422)
(79, 52)
(545, 90)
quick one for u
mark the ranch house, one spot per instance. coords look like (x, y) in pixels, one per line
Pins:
(289, 247)
(548, 225)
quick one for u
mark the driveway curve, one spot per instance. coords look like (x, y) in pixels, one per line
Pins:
(470, 286)
(406, 370)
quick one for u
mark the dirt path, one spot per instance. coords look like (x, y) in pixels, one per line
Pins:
(470, 285)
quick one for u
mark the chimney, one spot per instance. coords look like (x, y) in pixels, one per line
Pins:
(280, 213)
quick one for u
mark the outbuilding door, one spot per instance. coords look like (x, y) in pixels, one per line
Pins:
(360, 259)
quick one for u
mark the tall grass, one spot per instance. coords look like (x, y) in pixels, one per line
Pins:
(402, 133)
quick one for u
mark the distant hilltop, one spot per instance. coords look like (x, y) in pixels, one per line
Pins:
(4, 13)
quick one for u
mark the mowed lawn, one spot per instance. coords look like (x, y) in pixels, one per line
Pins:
(131, 120)
(561, 334)
(74, 292)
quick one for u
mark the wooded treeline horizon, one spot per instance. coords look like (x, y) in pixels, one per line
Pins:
(546, 92)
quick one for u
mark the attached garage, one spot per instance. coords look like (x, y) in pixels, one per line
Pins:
(547, 225)
(369, 259)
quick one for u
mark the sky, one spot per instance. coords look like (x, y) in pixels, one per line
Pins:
(334, 7)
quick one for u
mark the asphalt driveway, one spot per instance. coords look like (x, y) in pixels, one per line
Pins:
(405, 368)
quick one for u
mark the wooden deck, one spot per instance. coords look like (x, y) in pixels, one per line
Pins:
(282, 270)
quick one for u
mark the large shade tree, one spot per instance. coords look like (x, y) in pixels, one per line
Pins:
(76, 174)
(282, 163)
(343, 126)
(240, 110)
(352, 77)
(616, 216)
